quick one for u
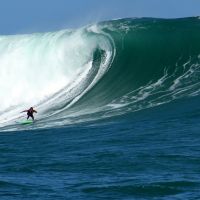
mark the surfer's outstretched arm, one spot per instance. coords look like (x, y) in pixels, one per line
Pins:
(24, 111)
(35, 111)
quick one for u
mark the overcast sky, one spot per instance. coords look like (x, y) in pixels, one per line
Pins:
(26, 16)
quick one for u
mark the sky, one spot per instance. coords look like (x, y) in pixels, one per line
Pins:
(27, 16)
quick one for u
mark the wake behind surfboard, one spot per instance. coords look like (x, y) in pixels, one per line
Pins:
(25, 122)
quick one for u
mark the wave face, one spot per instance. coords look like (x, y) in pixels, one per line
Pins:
(103, 70)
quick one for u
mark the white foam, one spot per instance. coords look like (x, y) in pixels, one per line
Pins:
(35, 66)
(49, 68)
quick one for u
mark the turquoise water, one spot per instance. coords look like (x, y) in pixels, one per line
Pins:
(118, 120)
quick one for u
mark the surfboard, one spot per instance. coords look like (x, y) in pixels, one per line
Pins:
(25, 122)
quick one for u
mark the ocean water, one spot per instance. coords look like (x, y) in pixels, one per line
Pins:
(118, 111)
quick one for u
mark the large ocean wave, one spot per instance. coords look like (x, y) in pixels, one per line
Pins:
(102, 70)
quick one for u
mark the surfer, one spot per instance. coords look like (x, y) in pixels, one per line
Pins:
(30, 112)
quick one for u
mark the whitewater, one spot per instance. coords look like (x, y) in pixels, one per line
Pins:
(50, 71)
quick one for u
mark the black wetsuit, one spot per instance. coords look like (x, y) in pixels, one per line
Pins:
(30, 113)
